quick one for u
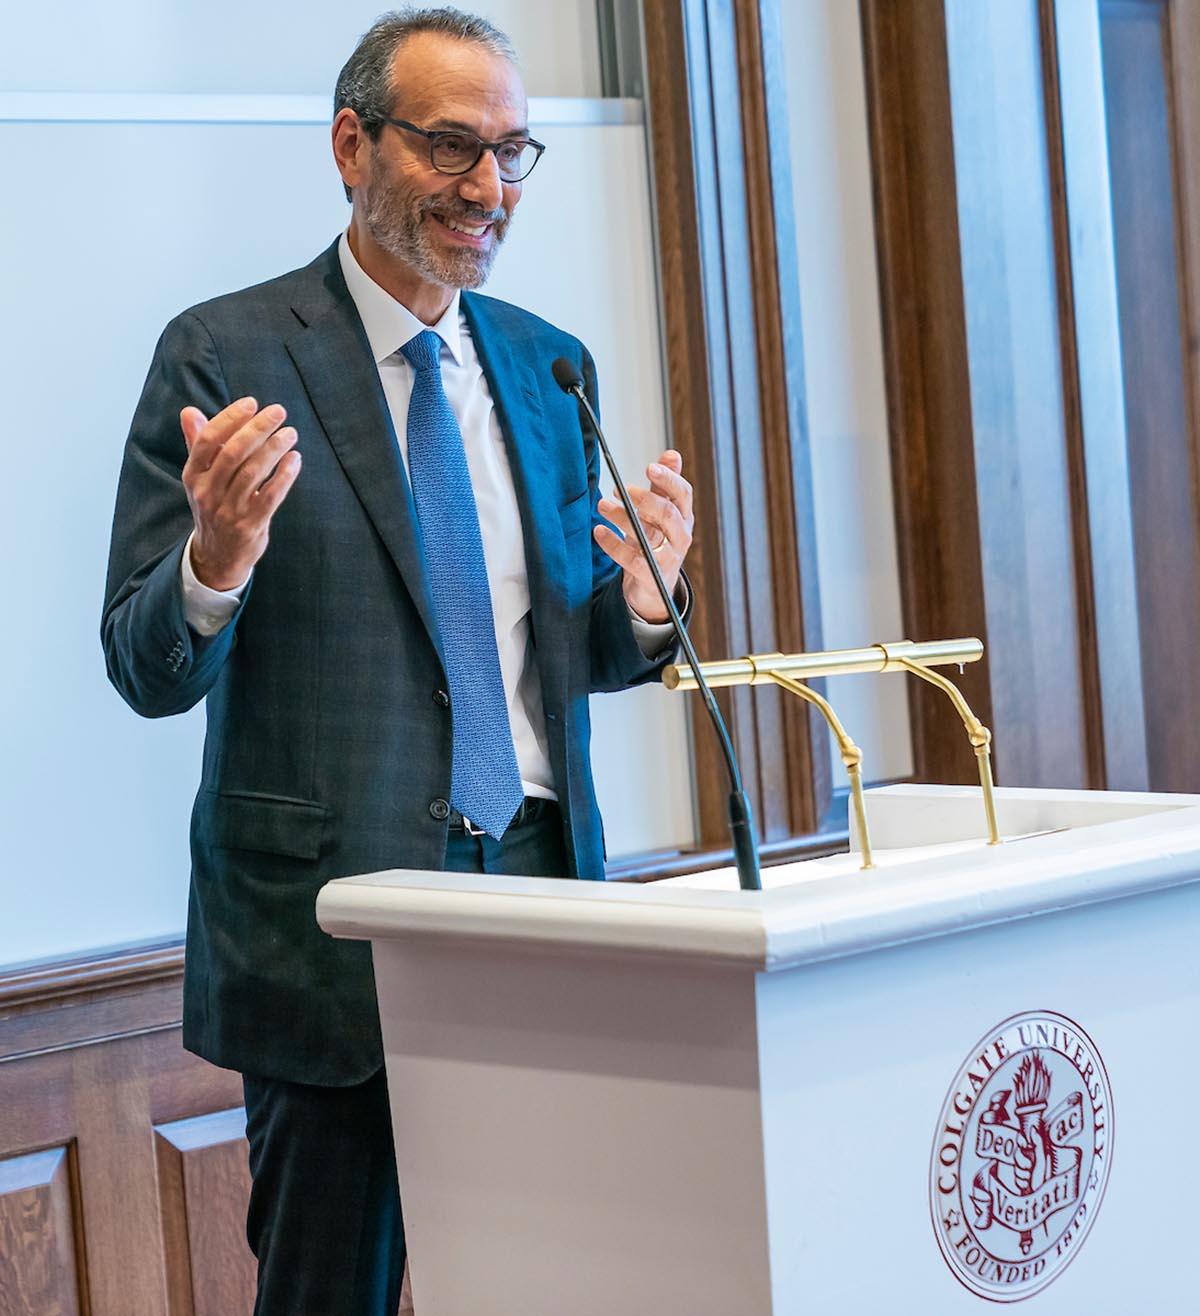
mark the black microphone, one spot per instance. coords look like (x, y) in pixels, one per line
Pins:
(741, 820)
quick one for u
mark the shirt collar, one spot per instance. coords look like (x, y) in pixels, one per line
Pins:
(388, 323)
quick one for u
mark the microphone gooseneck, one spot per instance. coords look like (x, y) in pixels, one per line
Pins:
(741, 819)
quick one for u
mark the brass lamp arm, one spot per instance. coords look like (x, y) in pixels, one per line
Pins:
(979, 735)
(850, 752)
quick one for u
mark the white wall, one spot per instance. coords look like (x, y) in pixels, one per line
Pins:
(258, 45)
(843, 362)
(118, 225)
(122, 224)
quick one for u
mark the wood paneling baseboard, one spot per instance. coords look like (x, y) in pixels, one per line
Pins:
(201, 1166)
(39, 1234)
(123, 1176)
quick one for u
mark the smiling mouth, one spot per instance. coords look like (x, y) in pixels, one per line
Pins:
(462, 229)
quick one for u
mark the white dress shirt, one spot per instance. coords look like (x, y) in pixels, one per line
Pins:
(389, 325)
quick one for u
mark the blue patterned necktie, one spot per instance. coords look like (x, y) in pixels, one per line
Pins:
(485, 782)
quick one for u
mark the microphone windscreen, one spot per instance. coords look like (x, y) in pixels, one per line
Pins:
(566, 375)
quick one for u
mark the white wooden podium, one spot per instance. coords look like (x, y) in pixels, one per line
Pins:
(963, 1076)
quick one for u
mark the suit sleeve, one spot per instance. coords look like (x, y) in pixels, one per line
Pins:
(617, 658)
(156, 661)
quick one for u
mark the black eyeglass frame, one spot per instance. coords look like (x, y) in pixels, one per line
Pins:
(433, 137)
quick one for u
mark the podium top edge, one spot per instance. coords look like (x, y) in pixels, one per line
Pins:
(813, 918)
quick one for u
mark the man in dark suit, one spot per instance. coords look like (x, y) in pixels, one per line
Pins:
(402, 678)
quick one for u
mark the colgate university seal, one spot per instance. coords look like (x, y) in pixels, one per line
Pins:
(1021, 1155)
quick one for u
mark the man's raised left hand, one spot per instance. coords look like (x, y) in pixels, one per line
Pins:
(665, 511)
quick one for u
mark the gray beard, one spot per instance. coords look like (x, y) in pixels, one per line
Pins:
(399, 224)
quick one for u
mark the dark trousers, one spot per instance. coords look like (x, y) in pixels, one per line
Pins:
(324, 1219)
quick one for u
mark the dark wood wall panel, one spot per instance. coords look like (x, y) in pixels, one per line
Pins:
(926, 361)
(1095, 412)
(1043, 426)
(717, 114)
(204, 1184)
(1184, 38)
(1022, 489)
(690, 393)
(772, 462)
(91, 1060)
(39, 1235)
(1137, 57)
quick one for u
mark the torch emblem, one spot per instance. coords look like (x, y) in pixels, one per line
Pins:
(1021, 1156)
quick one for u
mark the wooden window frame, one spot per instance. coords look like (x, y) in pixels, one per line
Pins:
(716, 105)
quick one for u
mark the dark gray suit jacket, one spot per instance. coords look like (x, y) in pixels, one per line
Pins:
(325, 747)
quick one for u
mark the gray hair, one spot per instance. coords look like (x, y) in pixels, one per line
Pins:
(365, 83)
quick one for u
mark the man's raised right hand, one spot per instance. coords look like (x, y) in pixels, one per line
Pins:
(240, 467)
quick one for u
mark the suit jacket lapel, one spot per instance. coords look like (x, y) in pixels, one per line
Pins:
(334, 359)
(517, 398)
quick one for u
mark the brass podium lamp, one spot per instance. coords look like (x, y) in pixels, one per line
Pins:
(790, 671)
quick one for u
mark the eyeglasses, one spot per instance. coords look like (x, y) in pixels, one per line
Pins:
(459, 152)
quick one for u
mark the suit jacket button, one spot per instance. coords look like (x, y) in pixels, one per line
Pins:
(441, 698)
(439, 809)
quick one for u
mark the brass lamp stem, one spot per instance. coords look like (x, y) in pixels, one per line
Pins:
(980, 737)
(850, 752)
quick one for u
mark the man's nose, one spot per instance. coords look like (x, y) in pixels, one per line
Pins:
(483, 184)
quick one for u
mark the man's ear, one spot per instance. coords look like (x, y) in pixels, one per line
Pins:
(351, 148)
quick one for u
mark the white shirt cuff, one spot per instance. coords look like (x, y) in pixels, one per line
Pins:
(653, 636)
(207, 610)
